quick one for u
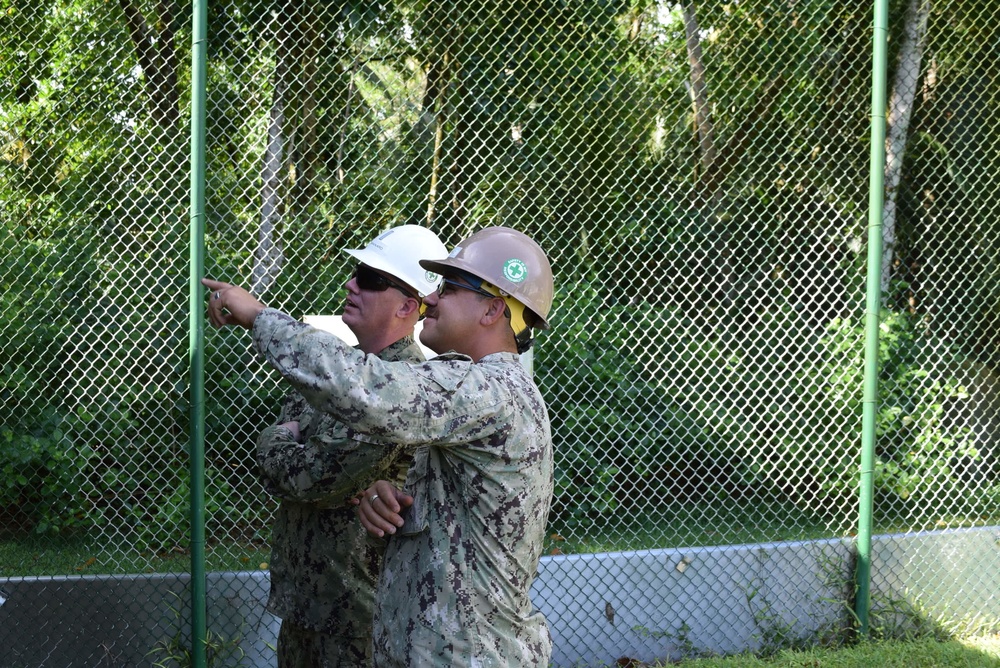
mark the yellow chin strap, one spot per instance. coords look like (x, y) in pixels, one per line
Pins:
(515, 307)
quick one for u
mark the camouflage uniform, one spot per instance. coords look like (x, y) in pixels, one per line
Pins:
(454, 589)
(323, 568)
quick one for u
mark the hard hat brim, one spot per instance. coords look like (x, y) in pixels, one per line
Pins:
(376, 262)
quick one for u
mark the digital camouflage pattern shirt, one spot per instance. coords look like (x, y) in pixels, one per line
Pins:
(454, 589)
(323, 567)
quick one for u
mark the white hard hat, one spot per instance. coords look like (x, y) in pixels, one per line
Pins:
(398, 251)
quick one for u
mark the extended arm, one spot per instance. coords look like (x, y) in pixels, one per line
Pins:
(442, 401)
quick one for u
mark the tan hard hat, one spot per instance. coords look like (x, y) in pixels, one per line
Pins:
(509, 260)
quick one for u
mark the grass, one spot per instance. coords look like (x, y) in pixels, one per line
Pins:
(976, 652)
(704, 525)
(692, 525)
(700, 525)
(35, 555)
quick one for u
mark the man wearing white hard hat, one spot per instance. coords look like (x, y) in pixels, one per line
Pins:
(323, 570)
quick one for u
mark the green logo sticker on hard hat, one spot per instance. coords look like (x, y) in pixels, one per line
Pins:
(515, 270)
(431, 277)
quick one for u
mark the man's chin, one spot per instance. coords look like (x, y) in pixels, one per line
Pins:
(350, 316)
(427, 338)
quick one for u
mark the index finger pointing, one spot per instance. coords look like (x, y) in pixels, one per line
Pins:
(212, 284)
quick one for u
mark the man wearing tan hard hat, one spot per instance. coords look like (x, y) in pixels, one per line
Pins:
(465, 538)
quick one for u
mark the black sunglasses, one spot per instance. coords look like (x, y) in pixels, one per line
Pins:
(474, 285)
(371, 280)
(449, 281)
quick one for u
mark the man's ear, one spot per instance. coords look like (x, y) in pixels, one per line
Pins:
(409, 306)
(495, 311)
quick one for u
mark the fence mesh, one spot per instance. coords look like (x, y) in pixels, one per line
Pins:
(698, 174)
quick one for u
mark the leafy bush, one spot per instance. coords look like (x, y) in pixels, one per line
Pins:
(45, 476)
(96, 423)
(619, 428)
(920, 451)
(43, 471)
(801, 429)
(647, 405)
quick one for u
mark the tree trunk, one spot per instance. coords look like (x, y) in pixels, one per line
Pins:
(439, 108)
(435, 165)
(157, 59)
(464, 165)
(268, 257)
(699, 95)
(290, 158)
(305, 52)
(904, 89)
(342, 141)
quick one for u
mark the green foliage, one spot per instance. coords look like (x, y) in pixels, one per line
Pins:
(618, 428)
(43, 470)
(629, 421)
(922, 447)
(46, 477)
(96, 421)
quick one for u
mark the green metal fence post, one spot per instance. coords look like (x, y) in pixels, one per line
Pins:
(873, 308)
(197, 331)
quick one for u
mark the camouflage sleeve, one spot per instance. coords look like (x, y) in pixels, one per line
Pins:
(442, 401)
(327, 469)
(294, 408)
(396, 472)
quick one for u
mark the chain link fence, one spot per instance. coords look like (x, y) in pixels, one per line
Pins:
(697, 172)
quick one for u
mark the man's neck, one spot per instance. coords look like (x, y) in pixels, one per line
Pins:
(478, 352)
(376, 343)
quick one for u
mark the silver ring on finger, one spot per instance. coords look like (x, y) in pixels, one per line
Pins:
(372, 499)
(217, 296)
